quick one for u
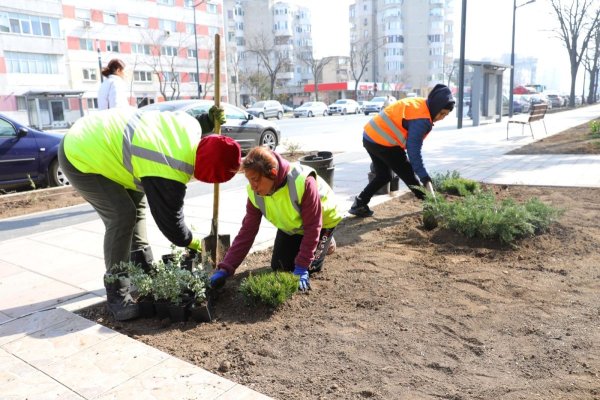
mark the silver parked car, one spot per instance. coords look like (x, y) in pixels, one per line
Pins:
(240, 126)
(310, 109)
(266, 109)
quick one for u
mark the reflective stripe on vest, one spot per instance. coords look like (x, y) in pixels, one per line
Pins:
(387, 129)
(130, 150)
(291, 183)
(392, 141)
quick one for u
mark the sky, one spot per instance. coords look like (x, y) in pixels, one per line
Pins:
(488, 34)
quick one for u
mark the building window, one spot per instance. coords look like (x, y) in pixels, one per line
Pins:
(31, 63)
(142, 76)
(169, 76)
(83, 14)
(211, 8)
(167, 25)
(90, 74)
(192, 53)
(29, 25)
(92, 103)
(143, 101)
(86, 44)
(21, 103)
(165, 2)
(189, 29)
(193, 76)
(139, 22)
(168, 51)
(110, 18)
(137, 48)
(112, 46)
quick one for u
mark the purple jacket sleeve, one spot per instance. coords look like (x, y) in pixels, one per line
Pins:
(311, 221)
(243, 241)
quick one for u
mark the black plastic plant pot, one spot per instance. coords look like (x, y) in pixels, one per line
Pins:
(201, 312)
(147, 309)
(168, 258)
(162, 309)
(178, 312)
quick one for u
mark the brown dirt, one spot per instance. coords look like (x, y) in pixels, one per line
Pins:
(400, 312)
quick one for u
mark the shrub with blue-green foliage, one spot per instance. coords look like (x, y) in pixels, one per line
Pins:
(452, 183)
(481, 215)
(271, 288)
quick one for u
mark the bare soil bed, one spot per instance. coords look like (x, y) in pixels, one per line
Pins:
(400, 312)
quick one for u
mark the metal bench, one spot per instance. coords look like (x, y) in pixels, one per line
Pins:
(537, 113)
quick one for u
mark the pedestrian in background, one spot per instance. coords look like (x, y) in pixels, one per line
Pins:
(298, 202)
(396, 131)
(116, 159)
(113, 90)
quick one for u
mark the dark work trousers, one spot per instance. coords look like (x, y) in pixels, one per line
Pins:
(286, 249)
(123, 211)
(386, 158)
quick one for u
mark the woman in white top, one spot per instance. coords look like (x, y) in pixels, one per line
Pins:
(113, 90)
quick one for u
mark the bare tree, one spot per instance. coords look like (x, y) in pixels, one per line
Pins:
(273, 60)
(316, 66)
(164, 60)
(578, 21)
(361, 55)
(234, 72)
(590, 62)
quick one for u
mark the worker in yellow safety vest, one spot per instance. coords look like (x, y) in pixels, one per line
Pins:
(399, 129)
(298, 202)
(118, 158)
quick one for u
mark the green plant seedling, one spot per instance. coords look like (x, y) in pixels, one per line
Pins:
(271, 288)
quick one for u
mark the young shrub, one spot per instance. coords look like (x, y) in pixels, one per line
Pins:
(459, 186)
(481, 215)
(453, 183)
(595, 129)
(271, 288)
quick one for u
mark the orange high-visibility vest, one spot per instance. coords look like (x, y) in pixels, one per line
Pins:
(386, 127)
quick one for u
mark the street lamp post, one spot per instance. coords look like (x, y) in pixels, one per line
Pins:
(512, 58)
(99, 60)
(196, 45)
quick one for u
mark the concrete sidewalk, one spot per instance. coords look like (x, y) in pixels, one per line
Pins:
(46, 351)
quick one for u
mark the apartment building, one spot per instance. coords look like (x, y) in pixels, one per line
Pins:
(402, 45)
(51, 53)
(267, 38)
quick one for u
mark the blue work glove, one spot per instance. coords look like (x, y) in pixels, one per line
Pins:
(217, 280)
(302, 273)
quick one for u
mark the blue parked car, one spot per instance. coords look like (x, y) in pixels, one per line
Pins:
(28, 157)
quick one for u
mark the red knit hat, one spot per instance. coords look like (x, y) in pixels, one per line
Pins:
(218, 159)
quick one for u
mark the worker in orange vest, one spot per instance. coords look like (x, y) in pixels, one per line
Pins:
(396, 131)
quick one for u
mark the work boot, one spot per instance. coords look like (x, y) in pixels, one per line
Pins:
(119, 302)
(143, 257)
(360, 208)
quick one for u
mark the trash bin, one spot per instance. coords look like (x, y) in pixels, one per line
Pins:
(322, 163)
(391, 186)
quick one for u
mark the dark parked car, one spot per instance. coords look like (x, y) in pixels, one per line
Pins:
(28, 157)
(240, 126)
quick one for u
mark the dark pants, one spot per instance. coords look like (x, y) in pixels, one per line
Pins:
(286, 249)
(386, 158)
(123, 211)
